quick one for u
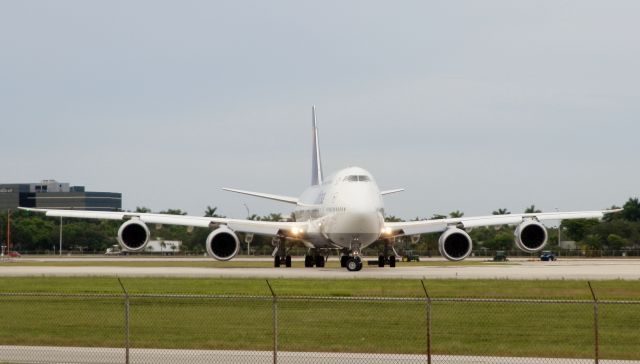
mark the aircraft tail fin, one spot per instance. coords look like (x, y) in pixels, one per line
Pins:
(316, 167)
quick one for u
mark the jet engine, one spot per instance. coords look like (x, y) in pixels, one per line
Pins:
(223, 244)
(455, 244)
(531, 236)
(133, 235)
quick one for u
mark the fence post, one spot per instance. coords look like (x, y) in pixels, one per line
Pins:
(595, 323)
(428, 321)
(126, 321)
(275, 323)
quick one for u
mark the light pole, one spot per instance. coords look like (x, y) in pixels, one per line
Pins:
(559, 228)
(246, 208)
(8, 230)
(60, 250)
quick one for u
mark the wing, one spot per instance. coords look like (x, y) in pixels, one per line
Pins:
(269, 196)
(433, 226)
(245, 226)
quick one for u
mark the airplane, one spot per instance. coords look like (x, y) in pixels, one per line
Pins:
(343, 211)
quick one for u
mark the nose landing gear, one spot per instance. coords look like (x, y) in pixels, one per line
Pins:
(351, 260)
(354, 264)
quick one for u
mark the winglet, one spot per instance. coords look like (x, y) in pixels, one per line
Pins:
(316, 162)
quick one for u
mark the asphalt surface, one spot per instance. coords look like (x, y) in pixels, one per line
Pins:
(593, 269)
(47, 354)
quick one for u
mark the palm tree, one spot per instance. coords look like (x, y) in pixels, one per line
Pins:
(392, 218)
(273, 217)
(501, 212)
(456, 214)
(531, 210)
(211, 211)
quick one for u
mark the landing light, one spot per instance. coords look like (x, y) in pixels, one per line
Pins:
(296, 231)
(386, 230)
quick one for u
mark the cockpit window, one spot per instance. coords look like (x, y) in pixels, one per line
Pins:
(356, 178)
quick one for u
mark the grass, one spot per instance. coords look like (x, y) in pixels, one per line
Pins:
(458, 328)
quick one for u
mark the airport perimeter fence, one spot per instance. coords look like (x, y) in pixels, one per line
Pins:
(154, 328)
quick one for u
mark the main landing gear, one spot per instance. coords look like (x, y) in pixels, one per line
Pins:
(388, 257)
(314, 258)
(280, 256)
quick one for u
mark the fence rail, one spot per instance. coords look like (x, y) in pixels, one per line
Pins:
(166, 328)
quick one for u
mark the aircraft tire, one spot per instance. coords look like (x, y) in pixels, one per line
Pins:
(308, 261)
(343, 261)
(276, 261)
(392, 261)
(287, 261)
(381, 261)
(319, 261)
(352, 265)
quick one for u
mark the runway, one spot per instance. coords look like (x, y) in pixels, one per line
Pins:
(592, 269)
(40, 354)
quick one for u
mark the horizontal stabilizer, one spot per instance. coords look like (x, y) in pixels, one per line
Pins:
(388, 192)
(269, 196)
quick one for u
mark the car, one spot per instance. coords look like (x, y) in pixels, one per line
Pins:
(501, 256)
(547, 256)
(14, 254)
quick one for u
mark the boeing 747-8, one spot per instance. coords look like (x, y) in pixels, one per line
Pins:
(343, 211)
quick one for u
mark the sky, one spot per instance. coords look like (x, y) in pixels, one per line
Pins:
(468, 105)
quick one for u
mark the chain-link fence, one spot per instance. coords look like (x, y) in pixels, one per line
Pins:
(153, 328)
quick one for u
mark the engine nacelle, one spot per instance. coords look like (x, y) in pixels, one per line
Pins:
(133, 235)
(223, 244)
(530, 236)
(455, 244)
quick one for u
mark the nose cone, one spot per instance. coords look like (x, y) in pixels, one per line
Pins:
(355, 227)
(361, 222)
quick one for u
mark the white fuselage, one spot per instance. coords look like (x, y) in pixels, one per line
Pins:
(344, 211)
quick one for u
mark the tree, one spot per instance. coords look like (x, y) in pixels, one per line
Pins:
(594, 241)
(631, 210)
(578, 229)
(456, 214)
(272, 217)
(501, 241)
(438, 217)
(211, 212)
(142, 210)
(392, 218)
(616, 242)
(173, 212)
(501, 212)
(531, 210)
